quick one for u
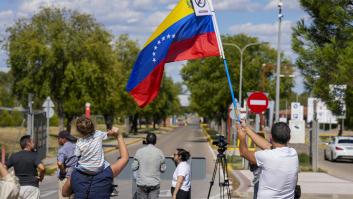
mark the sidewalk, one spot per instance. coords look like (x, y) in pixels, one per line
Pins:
(313, 185)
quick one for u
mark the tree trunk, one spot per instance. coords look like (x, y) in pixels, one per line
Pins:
(134, 124)
(61, 115)
(127, 124)
(165, 122)
(108, 119)
(68, 123)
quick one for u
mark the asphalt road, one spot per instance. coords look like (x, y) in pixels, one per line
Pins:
(190, 138)
(340, 168)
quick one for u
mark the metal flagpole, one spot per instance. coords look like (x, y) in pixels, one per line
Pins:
(220, 46)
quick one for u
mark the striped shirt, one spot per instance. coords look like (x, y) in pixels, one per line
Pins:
(90, 153)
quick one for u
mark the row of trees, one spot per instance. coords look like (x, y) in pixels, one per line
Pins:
(324, 44)
(72, 58)
(207, 82)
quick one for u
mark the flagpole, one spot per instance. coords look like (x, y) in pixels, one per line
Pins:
(220, 46)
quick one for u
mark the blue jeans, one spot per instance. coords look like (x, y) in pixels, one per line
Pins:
(144, 192)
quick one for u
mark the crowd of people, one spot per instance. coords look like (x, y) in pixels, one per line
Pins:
(83, 172)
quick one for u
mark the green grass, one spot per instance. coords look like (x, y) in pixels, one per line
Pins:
(235, 162)
(305, 165)
(50, 171)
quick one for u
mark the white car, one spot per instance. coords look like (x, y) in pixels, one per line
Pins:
(339, 148)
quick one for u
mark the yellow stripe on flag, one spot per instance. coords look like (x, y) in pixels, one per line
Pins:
(182, 9)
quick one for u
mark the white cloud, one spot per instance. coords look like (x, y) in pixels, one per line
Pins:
(6, 18)
(173, 70)
(287, 4)
(236, 5)
(268, 33)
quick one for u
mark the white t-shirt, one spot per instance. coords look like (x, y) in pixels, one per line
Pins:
(279, 171)
(183, 169)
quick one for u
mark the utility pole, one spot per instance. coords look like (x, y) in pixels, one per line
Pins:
(30, 115)
(241, 51)
(314, 139)
(278, 71)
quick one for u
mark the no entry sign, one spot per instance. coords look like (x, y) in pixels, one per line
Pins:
(257, 102)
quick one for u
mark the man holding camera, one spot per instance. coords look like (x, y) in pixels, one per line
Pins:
(278, 163)
(148, 164)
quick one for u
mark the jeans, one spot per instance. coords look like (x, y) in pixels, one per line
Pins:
(147, 192)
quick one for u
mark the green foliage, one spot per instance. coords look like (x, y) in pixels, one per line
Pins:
(66, 55)
(54, 121)
(6, 98)
(207, 82)
(14, 118)
(167, 102)
(325, 49)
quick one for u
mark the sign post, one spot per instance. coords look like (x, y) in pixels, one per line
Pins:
(48, 108)
(257, 103)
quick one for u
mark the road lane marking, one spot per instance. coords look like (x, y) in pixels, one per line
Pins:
(48, 193)
(165, 193)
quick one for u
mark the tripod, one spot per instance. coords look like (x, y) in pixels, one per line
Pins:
(220, 164)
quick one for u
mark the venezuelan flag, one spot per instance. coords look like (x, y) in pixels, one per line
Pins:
(181, 36)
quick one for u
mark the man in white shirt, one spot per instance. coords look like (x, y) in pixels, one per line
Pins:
(278, 163)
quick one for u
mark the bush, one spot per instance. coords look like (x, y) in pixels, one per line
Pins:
(11, 118)
(54, 121)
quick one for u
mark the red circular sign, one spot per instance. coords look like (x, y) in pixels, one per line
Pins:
(257, 102)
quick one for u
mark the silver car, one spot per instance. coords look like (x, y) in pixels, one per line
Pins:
(339, 148)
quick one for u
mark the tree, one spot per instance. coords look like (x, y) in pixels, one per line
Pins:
(325, 50)
(167, 102)
(6, 98)
(126, 51)
(207, 82)
(66, 55)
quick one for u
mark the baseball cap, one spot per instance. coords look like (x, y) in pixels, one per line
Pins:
(67, 135)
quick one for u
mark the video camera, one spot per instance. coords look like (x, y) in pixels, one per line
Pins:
(221, 143)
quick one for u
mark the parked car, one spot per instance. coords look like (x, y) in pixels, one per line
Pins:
(339, 148)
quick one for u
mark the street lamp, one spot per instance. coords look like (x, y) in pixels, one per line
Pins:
(241, 50)
(278, 70)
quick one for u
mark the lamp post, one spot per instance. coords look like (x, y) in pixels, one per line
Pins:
(241, 50)
(278, 71)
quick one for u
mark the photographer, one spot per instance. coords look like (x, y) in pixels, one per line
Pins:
(278, 163)
(148, 164)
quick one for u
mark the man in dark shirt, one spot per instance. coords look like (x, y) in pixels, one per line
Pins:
(26, 163)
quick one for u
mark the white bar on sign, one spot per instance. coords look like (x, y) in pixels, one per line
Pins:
(257, 102)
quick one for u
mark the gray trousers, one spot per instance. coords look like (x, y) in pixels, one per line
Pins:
(145, 192)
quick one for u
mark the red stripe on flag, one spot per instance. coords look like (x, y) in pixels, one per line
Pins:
(148, 89)
(203, 45)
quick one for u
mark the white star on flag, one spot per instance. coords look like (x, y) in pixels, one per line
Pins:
(159, 42)
(163, 38)
(154, 60)
(153, 53)
(155, 47)
(168, 36)
(173, 35)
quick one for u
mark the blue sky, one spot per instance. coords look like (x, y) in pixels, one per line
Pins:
(139, 18)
